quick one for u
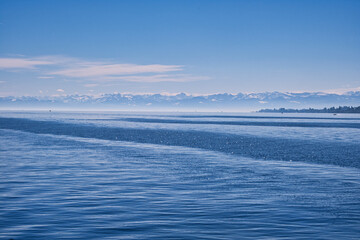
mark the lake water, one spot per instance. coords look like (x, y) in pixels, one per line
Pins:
(113, 175)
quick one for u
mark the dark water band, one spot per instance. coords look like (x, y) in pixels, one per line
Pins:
(341, 154)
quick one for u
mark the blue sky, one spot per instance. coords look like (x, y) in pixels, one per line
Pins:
(197, 47)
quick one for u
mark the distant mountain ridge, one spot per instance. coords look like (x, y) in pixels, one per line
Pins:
(224, 101)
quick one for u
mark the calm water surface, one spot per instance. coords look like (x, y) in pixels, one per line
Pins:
(67, 175)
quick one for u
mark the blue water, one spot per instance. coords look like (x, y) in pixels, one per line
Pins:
(67, 175)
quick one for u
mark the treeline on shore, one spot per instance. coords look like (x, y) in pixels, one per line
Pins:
(344, 109)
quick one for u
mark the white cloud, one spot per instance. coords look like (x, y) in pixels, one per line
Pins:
(10, 63)
(159, 78)
(114, 69)
(73, 67)
(59, 66)
(45, 77)
(91, 85)
(60, 90)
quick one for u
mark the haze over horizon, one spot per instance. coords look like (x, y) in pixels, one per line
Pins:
(197, 47)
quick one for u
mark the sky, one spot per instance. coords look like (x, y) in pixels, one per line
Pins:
(192, 46)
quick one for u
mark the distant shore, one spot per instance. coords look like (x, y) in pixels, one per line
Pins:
(344, 109)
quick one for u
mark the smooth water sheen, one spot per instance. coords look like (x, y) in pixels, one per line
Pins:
(115, 175)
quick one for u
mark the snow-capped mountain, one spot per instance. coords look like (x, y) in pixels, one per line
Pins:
(225, 101)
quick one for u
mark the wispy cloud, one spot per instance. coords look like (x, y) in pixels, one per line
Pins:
(159, 78)
(103, 70)
(90, 85)
(11, 63)
(45, 77)
(59, 66)
(60, 90)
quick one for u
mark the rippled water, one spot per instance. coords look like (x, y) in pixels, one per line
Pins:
(179, 176)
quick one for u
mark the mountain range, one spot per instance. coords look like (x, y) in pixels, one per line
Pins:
(182, 101)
